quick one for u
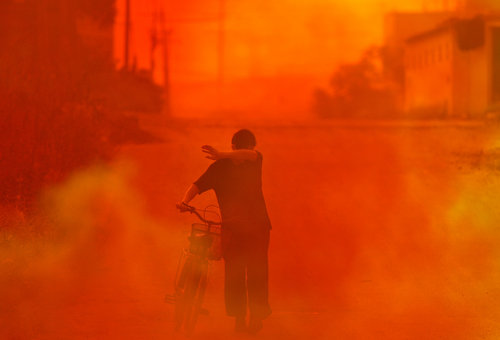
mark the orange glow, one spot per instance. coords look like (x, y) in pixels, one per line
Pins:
(383, 229)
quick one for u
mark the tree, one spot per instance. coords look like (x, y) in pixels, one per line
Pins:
(56, 114)
(357, 90)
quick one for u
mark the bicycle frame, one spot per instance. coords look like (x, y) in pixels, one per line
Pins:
(191, 281)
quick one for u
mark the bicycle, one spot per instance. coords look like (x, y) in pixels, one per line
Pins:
(191, 281)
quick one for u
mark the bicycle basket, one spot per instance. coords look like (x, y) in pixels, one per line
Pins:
(206, 240)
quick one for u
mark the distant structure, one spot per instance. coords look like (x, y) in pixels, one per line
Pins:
(141, 39)
(446, 64)
(479, 5)
(453, 70)
(398, 27)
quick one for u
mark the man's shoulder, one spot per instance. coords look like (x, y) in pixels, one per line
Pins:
(220, 163)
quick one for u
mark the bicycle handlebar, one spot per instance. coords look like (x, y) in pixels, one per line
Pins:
(193, 210)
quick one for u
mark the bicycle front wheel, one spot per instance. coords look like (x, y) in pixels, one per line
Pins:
(197, 302)
(190, 292)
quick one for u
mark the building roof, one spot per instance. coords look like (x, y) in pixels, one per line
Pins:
(399, 26)
(467, 26)
(469, 33)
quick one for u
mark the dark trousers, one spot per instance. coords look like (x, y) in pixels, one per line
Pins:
(246, 273)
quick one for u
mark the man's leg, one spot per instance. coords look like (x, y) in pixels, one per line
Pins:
(258, 281)
(235, 290)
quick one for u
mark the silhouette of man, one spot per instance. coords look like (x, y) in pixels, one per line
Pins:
(236, 178)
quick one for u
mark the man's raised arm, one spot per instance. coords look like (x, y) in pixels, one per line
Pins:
(240, 154)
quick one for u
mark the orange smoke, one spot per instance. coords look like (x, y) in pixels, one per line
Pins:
(378, 232)
(99, 247)
(381, 230)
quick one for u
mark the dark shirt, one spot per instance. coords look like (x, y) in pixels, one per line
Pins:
(238, 187)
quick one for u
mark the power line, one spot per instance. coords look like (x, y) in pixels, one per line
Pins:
(127, 34)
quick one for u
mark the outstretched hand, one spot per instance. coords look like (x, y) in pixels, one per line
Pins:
(212, 152)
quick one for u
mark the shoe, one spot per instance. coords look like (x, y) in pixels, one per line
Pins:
(240, 325)
(255, 326)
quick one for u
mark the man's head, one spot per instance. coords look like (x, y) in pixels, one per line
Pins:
(243, 139)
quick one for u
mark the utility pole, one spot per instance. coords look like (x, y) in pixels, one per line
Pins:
(127, 35)
(221, 46)
(166, 67)
(153, 41)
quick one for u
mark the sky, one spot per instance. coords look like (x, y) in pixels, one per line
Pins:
(269, 48)
(263, 37)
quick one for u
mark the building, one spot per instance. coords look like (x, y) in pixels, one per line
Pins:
(453, 70)
(398, 27)
(478, 5)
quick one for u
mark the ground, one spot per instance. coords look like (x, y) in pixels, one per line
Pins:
(381, 230)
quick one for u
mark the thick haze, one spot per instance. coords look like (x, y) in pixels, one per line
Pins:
(271, 51)
(382, 229)
(263, 37)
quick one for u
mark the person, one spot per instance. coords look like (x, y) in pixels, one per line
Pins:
(236, 178)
